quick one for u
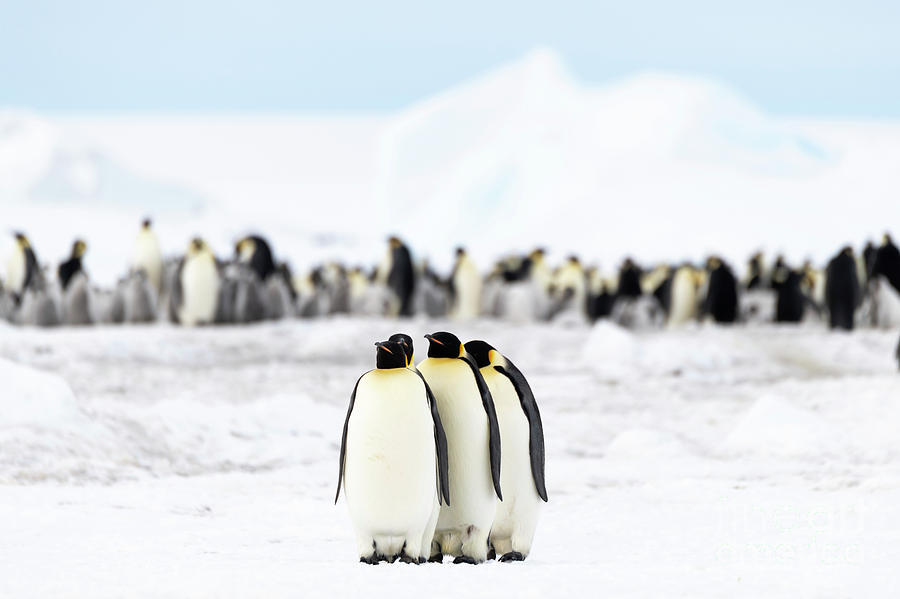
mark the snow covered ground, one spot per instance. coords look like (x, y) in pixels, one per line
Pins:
(701, 462)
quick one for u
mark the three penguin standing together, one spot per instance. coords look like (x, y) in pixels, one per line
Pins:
(421, 463)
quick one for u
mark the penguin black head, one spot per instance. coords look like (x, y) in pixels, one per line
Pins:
(21, 239)
(394, 241)
(481, 351)
(146, 223)
(389, 354)
(444, 345)
(407, 343)
(460, 252)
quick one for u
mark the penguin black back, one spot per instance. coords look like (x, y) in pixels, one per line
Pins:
(629, 280)
(721, 297)
(886, 262)
(261, 261)
(791, 302)
(72, 266)
(402, 277)
(842, 292)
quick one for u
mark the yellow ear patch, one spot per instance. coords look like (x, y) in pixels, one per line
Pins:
(462, 351)
(492, 354)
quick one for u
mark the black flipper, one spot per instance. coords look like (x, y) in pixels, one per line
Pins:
(536, 429)
(493, 425)
(440, 443)
(344, 438)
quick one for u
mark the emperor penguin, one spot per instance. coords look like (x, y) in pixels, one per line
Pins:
(883, 287)
(465, 287)
(401, 275)
(522, 462)
(630, 276)
(755, 274)
(21, 268)
(683, 296)
(432, 295)
(147, 256)
(196, 286)
(570, 293)
(139, 298)
(77, 298)
(886, 262)
(721, 302)
(40, 303)
(842, 291)
(72, 266)
(255, 251)
(394, 459)
(790, 304)
(407, 343)
(473, 438)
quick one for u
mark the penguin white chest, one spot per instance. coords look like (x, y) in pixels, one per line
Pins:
(390, 469)
(148, 257)
(467, 284)
(472, 497)
(200, 290)
(684, 298)
(15, 270)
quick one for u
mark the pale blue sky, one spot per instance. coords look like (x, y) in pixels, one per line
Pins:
(822, 58)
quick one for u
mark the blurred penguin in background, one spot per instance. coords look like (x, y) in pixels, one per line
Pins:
(77, 308)
(630, 275)
(684, 296)
(195, 293)
(432, 296)
(868, 256)
(21, 268)
(465, 287)
(842, 291)
(400, 275)
(758, 302)
(40, 303)
(138, 296)
(886, 262)
(779, 273)
(883, 288)
(255, 252)
(636, 305)
(790, 305)
(721, 295)
(570, 297)
(602, 296)
(755, 272)
(148, 257)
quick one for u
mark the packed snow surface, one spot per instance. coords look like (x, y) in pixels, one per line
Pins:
(701, 462)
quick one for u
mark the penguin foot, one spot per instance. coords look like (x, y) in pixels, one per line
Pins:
(422, 560)
(512, 556)
(491, 554)
(436, 558)
(407, 559)
(464, 559)
(372, 560)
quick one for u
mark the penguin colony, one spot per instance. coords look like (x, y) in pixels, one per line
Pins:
(199, 288)
(443, 458)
